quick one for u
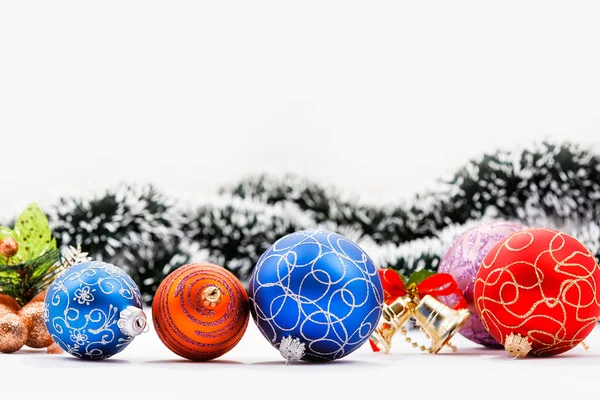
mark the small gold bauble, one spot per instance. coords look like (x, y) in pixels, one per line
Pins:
(5, 310)
(8, 247)
(13, 333)
(33, 315)
(9, 302)
(54, 349)
(41, 296)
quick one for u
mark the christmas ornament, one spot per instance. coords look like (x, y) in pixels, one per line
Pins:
(462, 261)
(536, 292)
(8, 247)
(9, 302)
(200, 311)
(13, 333)
(418, 299)
(93, 310)
(315, 295)
(33, 315)
(40, 297)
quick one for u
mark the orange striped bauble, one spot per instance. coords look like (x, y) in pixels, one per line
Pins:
(200, 311)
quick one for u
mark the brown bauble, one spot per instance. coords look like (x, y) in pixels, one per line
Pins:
(54, 349)
(13, 333)
(41, 296)
(5, 310)
(33, 315)
(9, 302)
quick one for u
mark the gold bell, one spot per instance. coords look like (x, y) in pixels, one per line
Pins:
(439, 321)
(393, 318)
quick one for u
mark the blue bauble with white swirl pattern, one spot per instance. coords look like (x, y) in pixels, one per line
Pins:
(315, 295)
(94, 310)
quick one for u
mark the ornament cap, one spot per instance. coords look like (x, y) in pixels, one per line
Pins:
(132, 321)
(292, 349)
(517, 346)
(73, 256)
(211, 296)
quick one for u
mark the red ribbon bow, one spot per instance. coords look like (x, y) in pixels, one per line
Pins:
(435, 285)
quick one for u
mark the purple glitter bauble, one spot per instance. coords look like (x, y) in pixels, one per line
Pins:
(463, 260)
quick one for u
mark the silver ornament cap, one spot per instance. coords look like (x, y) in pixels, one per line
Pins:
(292, 349)
(132, 321)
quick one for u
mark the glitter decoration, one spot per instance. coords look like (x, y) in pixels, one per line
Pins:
(200, 311)
(318, 287)
(462, 261)
(540, 284)
(9, 302)
(13, 333)
(33, 315)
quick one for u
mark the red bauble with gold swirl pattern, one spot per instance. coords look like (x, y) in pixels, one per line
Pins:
(537, 292)
(200, 311)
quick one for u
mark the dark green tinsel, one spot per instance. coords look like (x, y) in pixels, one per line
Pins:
(147, 234)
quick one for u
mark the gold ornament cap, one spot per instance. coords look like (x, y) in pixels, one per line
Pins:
(211, 296)
(516, 345)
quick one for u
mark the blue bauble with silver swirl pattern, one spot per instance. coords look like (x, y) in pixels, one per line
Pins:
(94, 310)
(316, 296)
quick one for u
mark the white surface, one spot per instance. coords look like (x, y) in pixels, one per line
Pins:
(379, 98)
(253, 369)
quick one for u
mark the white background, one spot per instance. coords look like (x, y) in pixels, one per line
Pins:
(255, 370)
(379, 98)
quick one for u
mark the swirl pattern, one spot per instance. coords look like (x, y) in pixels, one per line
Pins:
(82, 309)
(192, 326)
(318, 287)
(541, 284)
(463, 260)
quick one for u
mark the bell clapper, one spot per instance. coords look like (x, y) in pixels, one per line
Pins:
(211, 296)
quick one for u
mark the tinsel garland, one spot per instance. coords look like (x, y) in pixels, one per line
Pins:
(148, 234)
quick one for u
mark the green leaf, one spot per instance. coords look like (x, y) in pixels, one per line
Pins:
(33, 233)
(419, 276)
(6, 232)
